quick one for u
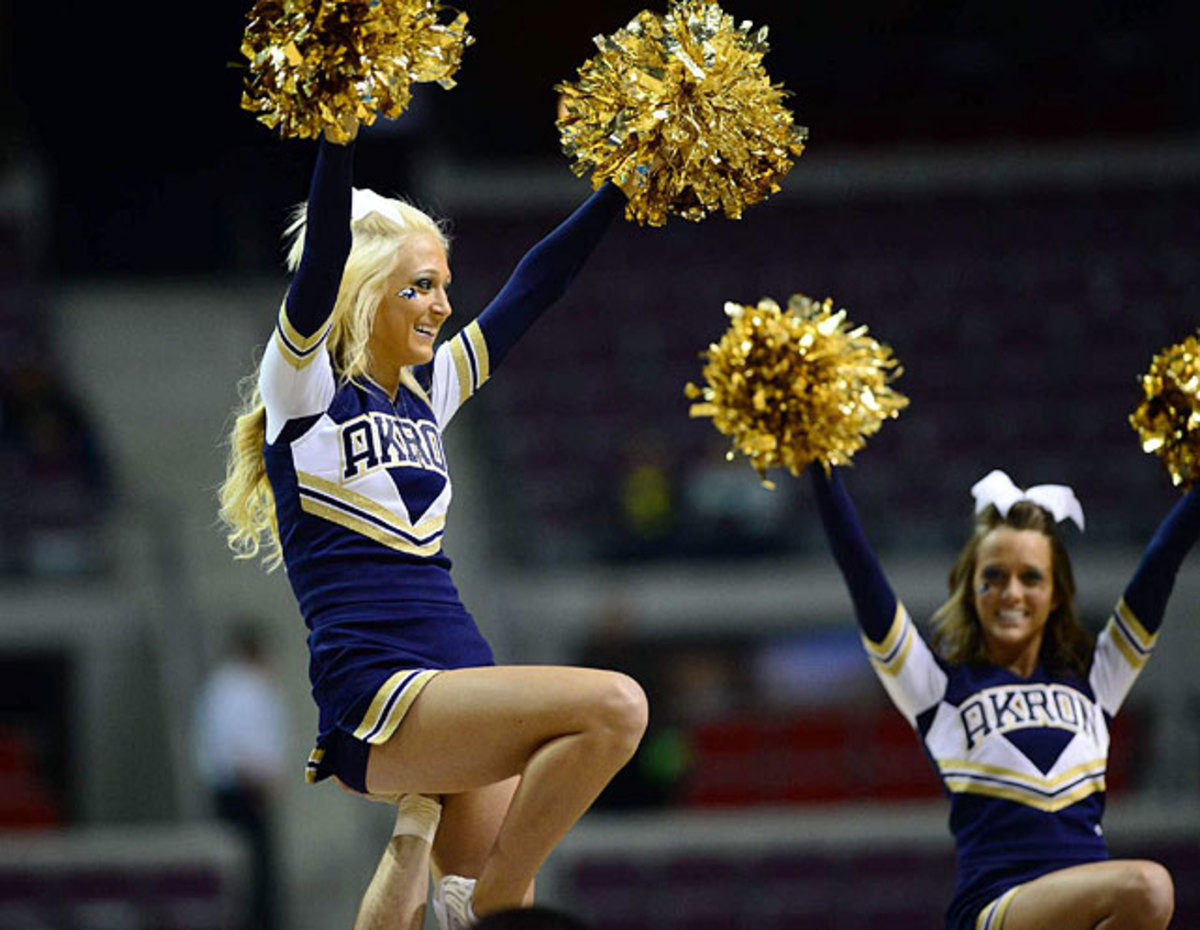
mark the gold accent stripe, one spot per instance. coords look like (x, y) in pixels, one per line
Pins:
(1002, 907)
(301, 343)
(479, 345)
(878, 652)
(1049, 805)
(1094, 767)
(357, 501)
(1135, 659)
(462, 365)
(299, 362)
(992, 916)
(394, 699)
(897, 664)
(1143, 638)
(893, 634)
(370, 530)
(310, 767)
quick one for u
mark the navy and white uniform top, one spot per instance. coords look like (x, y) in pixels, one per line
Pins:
(360, 478)
(1022, 760)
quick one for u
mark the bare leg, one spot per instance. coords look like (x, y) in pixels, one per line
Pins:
(470, 823)
(395, 898)
(565, 731)
(1123, 894)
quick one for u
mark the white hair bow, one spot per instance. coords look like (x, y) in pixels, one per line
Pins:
(365, 201)
(997, 489)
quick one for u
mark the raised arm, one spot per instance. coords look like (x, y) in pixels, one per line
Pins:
(1147, 592)
(314, 287)
(546, 271)
(1129, 637)
(874, 600)
(295, 380)
(903, 661)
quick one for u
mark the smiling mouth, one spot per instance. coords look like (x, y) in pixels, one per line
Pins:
(425, 331)
(1011, 616)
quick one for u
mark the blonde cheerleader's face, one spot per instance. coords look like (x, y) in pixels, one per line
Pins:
(1014, 595)
(414, 307)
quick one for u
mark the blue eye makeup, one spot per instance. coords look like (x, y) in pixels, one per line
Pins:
(408, 293)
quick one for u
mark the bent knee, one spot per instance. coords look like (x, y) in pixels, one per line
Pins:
(622, 710)
(1147, 890)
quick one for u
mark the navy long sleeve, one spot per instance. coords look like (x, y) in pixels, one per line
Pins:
(1148, 590)
(544, 274)
(327, 239)
(874, 600)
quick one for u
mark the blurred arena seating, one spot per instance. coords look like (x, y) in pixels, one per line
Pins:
(127, 879)
(903, 886)
(56, 486)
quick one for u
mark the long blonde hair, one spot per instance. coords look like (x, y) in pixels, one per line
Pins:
(381, 227)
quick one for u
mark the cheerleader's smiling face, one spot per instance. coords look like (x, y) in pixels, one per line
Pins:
(414, 307)
(1014, 595)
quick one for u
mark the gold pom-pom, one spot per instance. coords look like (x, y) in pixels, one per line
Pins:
(795, 386)
(1168, 418)
(678, 111)
(327, 64)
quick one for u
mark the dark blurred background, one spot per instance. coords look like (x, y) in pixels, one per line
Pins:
(1006, 193)
(135, 113)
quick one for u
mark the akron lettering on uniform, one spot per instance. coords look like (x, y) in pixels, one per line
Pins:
(380, 440)
(998, 710)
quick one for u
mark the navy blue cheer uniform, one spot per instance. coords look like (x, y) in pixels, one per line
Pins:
(361, 483)
(1022, 760)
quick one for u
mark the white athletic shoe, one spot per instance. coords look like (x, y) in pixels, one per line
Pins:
(452, 903)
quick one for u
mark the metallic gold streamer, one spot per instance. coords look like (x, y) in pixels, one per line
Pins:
(325, 64)
(678, 111)
(795, 386)
(1168, 417)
